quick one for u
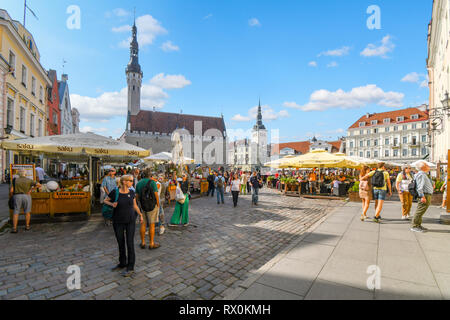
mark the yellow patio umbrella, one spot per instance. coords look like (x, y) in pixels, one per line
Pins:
(278, 164)
(320, 159)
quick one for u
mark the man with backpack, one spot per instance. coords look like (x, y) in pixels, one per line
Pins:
(219, 182)
(380, 183)
(148, 200)
(256, 185)
(424, 188)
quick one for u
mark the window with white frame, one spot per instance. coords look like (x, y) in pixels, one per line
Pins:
(424, 151)
(424, 138)
(375, 142)
(361, 154)
(386, 129)
(414, 117)
(395, 153)
(414, 140)
(12, 63)
(351, 144)
(41, 94)
(33, 86)
(400, 119)
(361, 143)
(368, 154)
(414, 152)
(395, 128)
(405, 152)
(32, 127)
(10, 112)
(387, 120)
(405, 127)
(24, 76)
(375, 154)
(414, 126)
(362, 124)
(40, 128)
(424, 125)
(386, 153)
(386, 141)
(405, 139)
(374, 122)
(22, 119)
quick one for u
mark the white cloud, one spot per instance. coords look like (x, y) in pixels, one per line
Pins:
(86, 129)
(169, 46)
(424, 83)
(125, 28)
(253, 22)
(170, 81)
(148, 29)
(119, 12)
(336, 52)
(411, 77)
(268, 114)
(312, 64)
(111, 104)
(239, 118)
(332, 64)
(208, 16)
(356, 98)
(385, 47)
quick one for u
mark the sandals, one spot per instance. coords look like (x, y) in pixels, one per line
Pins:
(142, 246)
(155, 246)
(14, 231)
(27, 228)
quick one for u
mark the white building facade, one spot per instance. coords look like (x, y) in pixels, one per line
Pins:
(398, 136)
(438, 64)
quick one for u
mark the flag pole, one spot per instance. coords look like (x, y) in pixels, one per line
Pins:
(24, 12)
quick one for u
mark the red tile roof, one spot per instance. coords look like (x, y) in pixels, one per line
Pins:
(407, 113)
(303, 146)
(164, 122)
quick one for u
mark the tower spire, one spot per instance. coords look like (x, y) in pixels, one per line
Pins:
(259, 125)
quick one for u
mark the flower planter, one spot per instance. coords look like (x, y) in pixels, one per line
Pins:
(436, 199)
(354, 196)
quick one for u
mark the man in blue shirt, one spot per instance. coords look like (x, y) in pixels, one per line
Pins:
(254, 182)
(424, 191)
(219, 182)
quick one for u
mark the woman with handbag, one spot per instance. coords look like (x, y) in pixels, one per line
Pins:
(402, 183)
(124, 222)
(235, 188)
(364, 191)
(180, 215)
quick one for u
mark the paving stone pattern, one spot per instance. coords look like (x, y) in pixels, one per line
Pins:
(205, 260)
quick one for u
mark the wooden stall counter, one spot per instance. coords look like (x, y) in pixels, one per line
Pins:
(59, 202)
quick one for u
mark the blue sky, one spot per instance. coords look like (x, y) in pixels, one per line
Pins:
(315, 65)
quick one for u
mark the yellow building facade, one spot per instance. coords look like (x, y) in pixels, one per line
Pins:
(25, 106)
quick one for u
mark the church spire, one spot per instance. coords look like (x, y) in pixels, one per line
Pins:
(259, 125)
(133, 65)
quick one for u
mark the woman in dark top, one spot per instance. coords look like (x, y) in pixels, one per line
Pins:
(124, 222)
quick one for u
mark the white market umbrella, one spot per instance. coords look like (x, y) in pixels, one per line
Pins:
(166, 157)
(430, 164)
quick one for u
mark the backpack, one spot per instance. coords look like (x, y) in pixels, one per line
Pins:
(220, 182)
(412, 188)
(147, 198)
(378, 179)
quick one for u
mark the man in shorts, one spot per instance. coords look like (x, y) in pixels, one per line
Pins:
(151, 218)
(21, 191)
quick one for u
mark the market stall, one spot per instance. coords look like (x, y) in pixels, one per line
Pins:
(75, 195)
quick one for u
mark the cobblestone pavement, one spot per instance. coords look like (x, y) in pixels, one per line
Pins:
(205, 260)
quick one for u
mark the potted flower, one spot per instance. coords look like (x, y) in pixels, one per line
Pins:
(353, 193)
(436, 198)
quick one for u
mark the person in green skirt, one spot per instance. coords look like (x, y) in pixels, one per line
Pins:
(180, 216)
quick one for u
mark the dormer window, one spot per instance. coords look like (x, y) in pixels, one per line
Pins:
(414, 117)
(387, 120)
(374, 122)
(362, 124)
(400, 119)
